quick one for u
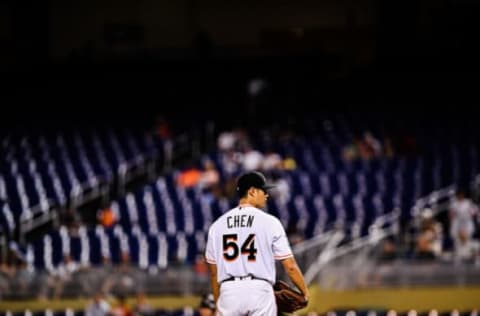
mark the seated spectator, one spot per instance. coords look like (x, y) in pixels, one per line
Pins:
(231, 162)
(62, 274)
(388, 250)
(271, 162)
(289, 163)
(107, 217)
(427, 244)
(252, 160)
(189, 177)
(281, 192)
(389, 150)
(373, 144)
(7, 273)
(141, 306)
(226, 141)
(294, 235)
(364, 150)
(98, 307)
(349, 152)
(209, 176)
(200, 267)
(122, 308)
(70, 218)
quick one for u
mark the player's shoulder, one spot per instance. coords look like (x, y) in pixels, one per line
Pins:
(268, 217)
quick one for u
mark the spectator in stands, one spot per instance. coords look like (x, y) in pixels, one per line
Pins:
(207, 305)
(373, 144)
(366, 147)
(62, 274)
(294, 234)
(388, 251)
(231, 162)
(7, 273)
(252, 159)
(226, 141)
(349, 152)
(189, 176)
(462, 213)
(232, 145)
(242, 142)
(69, 217)
(107, 217)
(122, 308)
(123, 277)
(209, 180)
(428, 244)
(209, 176)
(364, 150)
(289, 163)
(141, 306)
(272, 162)
(282, 189)
(98, 307)
(21, 275)
(389, 150)
(200, 267)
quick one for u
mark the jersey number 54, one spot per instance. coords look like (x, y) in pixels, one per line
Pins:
(231, 249)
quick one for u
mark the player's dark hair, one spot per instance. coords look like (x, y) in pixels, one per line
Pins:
(242, 192)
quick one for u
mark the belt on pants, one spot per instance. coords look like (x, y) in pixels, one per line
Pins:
(246, 277)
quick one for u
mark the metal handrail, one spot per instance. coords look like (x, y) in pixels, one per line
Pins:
(379, 230)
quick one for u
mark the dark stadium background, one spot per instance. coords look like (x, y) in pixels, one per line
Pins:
(321, 56)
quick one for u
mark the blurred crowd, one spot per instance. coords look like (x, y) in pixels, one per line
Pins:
(236, 153)
(451, 235)
(121, 306)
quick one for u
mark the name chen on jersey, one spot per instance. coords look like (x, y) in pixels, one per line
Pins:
(240, 221)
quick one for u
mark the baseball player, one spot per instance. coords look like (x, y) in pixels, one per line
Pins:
(241, 250)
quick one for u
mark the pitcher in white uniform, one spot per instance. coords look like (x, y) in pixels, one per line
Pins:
(242, 247)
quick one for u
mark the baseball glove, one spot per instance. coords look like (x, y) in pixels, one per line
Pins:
(288, 299)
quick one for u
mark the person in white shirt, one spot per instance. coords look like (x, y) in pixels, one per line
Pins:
(241, 250)
(462, 214)
(98, 307)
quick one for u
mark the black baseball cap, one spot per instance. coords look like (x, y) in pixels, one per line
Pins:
(252, 179)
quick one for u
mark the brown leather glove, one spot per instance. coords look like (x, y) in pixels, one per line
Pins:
(288, 299)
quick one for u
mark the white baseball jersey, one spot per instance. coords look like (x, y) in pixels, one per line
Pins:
(246, 241)
(464, 211)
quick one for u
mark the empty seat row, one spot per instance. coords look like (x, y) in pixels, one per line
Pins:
(95, 246)
(39, 171)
